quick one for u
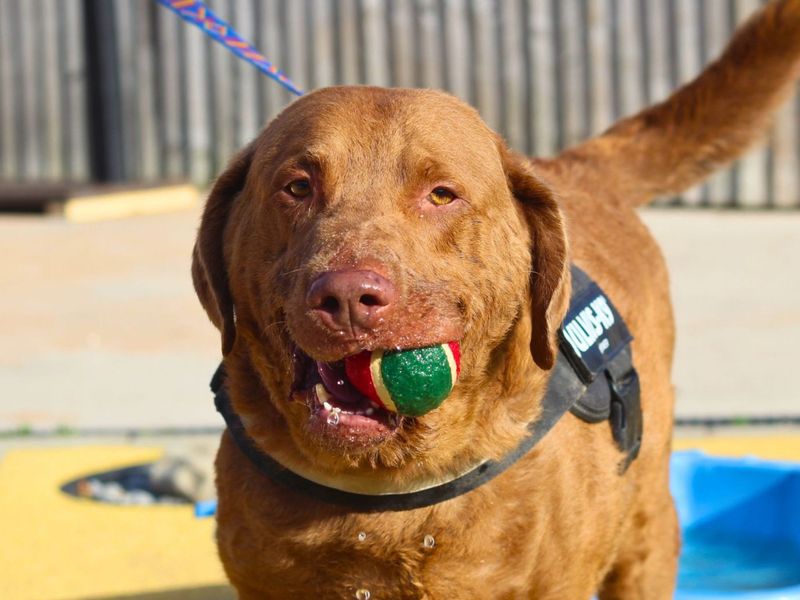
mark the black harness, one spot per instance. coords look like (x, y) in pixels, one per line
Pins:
(593, 378)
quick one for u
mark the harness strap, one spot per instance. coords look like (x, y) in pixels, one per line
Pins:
(553, 408)
(596, 343)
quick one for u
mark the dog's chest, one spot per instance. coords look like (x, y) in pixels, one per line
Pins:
(318, 562)
(406, 555)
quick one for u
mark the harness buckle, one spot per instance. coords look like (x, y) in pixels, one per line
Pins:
(626, 415)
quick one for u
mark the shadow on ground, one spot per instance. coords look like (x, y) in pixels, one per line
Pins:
(212, 592)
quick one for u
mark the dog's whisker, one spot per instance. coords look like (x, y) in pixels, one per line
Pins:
(293, 271)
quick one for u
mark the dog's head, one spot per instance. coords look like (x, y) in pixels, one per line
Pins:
(365, 218)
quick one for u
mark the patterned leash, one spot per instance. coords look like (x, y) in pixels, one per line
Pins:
(198, 14)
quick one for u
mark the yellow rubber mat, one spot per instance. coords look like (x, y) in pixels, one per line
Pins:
(62, 548)
(779, 447)
(59, 547)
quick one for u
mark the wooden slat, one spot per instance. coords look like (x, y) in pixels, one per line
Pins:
(716, 32)
(429, 30)
(512, 74)
(754, 172)
(347, 47)
(146, 16)
(127, 32)
(456, 35)
(400, 43)
(322, 52)
(660, 85)
(376, 69)
(630, 71)
(601, 105)
(38, 74)
(199, 131)
(484, 66)
(544, 78)
(171, 93)
(223, 140)
(75, 127)
(244, 91)
(28, 142)
(573, 72)
(529, 107)
(276, 96)
(8, 158)
(558, 70)
(786, 169)
(686, 54)
(52, 168)
(296, 38)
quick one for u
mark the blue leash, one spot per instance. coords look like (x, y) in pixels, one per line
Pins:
(199, 15)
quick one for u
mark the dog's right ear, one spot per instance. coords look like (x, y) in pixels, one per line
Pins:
(209, 273)
(549, 277)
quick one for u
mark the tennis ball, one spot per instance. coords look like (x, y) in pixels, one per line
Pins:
(408, 382)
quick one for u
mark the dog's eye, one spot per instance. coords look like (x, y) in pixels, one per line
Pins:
(441, 196)
(299, 188)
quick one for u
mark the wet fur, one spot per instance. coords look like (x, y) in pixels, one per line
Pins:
(561, 524)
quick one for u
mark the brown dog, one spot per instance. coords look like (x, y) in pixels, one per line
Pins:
(365, 218)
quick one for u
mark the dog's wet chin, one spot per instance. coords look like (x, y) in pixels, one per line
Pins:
(338, 414)
(345, 425)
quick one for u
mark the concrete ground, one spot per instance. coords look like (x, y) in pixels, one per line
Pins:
(736, 292)
(100, 325)
(101, 328)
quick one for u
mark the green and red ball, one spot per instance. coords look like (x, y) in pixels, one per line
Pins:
(408, 382)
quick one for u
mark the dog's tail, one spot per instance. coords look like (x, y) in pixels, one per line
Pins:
(709, 122)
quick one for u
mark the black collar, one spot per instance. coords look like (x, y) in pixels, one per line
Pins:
(593, 389)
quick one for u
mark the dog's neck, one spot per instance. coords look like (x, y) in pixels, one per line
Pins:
(509, 411)
(375, 492)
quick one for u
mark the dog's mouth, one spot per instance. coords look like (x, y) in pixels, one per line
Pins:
(337, 408)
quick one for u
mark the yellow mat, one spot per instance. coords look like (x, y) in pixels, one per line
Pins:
(61, 548)
(778, 447)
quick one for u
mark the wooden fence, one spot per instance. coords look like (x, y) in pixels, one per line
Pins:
(545, 73)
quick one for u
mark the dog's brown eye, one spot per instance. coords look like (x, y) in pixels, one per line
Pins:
(300, 188)
(441, 196)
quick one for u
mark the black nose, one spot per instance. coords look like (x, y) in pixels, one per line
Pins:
(355, 301)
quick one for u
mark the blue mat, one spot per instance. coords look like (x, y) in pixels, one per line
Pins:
(741, 528)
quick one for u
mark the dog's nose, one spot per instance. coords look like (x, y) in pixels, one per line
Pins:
(355, 301)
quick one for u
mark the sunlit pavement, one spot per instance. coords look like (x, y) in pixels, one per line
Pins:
(102, 327)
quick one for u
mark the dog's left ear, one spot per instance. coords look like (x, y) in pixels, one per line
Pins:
(209, 274)
(549, 279)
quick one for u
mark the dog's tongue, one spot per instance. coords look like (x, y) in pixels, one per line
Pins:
(335, 381)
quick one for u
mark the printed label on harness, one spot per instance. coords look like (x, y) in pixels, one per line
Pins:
(586, 328)
(592, 333)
